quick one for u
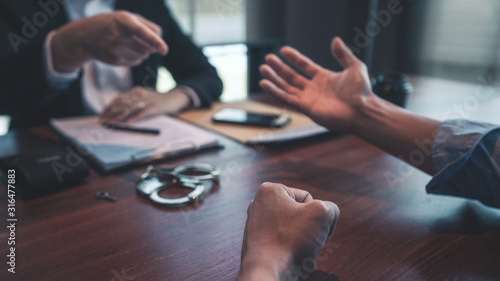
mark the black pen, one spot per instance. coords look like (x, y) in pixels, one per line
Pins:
(132, 129)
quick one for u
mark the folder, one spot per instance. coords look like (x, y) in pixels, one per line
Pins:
(111, 149)
(299, 127)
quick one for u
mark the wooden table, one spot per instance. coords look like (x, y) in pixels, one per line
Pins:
(389, 229)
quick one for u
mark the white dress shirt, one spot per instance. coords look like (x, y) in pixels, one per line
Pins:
(101, 83)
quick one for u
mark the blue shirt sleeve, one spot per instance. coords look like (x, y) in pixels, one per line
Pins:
(466, 159)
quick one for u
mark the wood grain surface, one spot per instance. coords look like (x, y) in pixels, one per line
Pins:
(389, 228)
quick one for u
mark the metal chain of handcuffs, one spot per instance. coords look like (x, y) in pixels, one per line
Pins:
(190, 176)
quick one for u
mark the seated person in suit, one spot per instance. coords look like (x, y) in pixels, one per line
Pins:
(67, 58)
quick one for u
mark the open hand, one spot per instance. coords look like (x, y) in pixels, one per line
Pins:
(332, 99)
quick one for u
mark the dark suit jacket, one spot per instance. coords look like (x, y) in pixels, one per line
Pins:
(24, 92)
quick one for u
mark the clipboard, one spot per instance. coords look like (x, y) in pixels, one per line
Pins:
(111, 150)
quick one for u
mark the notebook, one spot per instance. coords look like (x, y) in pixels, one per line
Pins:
(112, 149)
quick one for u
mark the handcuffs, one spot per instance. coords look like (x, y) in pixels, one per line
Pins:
(152, 181)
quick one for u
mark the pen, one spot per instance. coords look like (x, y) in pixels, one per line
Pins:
(132, 129)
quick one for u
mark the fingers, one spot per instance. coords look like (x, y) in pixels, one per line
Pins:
(326, 210)
(112, 112)
(333, 213)
(138, 114)
(127, 56)
(287, 73)
(156, 28)
(118, 112)
(153, 26)
(127, 105)
(342, 53)
(272, 76)
(275, 85)
(135, 26)
(299, 195)
(300, 61)
(125, 113)
(271, 88)
(284, 192)
(137, 44)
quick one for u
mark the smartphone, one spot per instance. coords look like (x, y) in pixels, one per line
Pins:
(240, 116)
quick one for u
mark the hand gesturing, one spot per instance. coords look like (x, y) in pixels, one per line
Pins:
(331, 99)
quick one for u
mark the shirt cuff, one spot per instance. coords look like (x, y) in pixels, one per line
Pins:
(466, 159)
(195, 100)
(56, 80)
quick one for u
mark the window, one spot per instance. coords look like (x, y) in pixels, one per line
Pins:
(4, 124)
(218, 26)
(211, 22)
(231, 64)
(461, 39)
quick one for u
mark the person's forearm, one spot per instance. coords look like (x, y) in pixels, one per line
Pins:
(397, 131)
(257, 273)
(266, 264)
(67, 54)
(179, 100)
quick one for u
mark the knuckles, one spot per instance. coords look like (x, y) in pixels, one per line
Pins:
(266, 189)
(122, 16)
(114, 55)
(324, 210)
(318, 207)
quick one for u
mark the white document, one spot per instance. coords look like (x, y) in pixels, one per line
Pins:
(114, 148)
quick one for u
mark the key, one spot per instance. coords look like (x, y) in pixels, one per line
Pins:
(104, 195)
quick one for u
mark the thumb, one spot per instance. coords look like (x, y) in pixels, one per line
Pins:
(342, 53)
(299, 195)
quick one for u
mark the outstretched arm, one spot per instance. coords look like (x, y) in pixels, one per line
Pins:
(343, 102)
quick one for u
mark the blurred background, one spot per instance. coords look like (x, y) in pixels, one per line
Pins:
(449, 39)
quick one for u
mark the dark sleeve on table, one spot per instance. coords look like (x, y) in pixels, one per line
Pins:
(466, 158)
